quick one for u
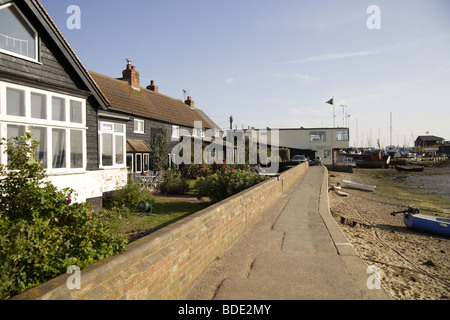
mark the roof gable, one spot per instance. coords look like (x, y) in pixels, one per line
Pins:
(36, 14)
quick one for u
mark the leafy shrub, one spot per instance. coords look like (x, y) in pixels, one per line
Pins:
(130, 196)
(173, 183)
(42, 232)
(225, 181)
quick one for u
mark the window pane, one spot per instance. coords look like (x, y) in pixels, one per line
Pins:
(119, 150)
(59, 148)
(139, 162)
(15, 34)
(76, 112)
(130, 162)
(15, 102)
(107, 150)
(41, 152)
(38, 106)
(118, 128)
(146, 162)
(107, 127)
(76, 149)
(342, 135)
(15, 131)
(58, 109)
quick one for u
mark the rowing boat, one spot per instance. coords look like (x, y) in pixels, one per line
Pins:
(409, 169)
(359, 186)
(426, 223)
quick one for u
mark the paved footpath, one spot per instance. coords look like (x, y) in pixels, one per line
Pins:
(295, 251)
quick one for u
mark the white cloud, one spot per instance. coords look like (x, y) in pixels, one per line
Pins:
(230, 81)
(345, 55)
(333, 56)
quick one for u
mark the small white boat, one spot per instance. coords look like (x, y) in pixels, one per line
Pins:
(341, 193)
(359, 186)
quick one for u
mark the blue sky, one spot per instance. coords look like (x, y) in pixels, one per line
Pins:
(276, 63)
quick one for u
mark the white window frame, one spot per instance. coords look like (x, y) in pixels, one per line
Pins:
(36, 37)
(144, 167)
(132, 161)
(139, 164)
(141, 126)
(342, 135)
(114, 133)
(175, 133)
(48, 124)
(197, 133)
(322, 136)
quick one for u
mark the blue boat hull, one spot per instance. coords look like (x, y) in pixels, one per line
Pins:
(426, 223)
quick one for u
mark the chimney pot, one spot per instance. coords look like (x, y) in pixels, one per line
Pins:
(190, 102)
(152, 86)
(132, 76)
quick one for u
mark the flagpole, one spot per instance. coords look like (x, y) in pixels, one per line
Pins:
(334, 116)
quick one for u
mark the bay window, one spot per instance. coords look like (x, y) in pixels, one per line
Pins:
(62, 138)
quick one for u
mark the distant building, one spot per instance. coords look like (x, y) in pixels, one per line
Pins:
(310, 142)
(428, 144)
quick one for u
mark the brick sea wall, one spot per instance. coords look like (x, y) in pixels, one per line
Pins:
(165, 263)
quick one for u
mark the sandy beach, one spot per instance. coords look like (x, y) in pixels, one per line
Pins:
(414, 265)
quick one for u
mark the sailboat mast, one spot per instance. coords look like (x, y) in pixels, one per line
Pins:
(390, 141)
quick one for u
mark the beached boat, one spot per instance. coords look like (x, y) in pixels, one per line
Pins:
(341, 193)
(373, 160)
(409, 169)
(359, 186)
(426, 223)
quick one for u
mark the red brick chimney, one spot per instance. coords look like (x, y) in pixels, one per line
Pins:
(190, 102)
(152, 86)
(132, 76)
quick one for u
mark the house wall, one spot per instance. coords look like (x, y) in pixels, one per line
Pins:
(151, 129)
(301, 139)
(54, 73)
(165, 263)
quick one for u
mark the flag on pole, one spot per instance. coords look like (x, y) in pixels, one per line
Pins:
(330, 101)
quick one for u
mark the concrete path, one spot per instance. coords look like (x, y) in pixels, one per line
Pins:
(295, 251)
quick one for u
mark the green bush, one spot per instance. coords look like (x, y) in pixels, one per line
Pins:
(130, 196)
(285, 154)
(42, 232)
(173, 182)
(225, 181)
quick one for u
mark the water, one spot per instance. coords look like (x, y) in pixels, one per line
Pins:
(437, 184)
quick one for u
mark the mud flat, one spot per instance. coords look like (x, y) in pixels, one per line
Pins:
(414, 265)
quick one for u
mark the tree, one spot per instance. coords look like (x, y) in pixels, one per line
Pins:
(159, 149)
